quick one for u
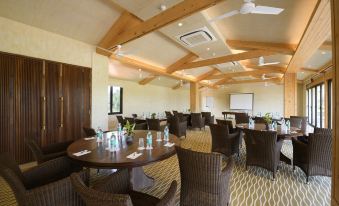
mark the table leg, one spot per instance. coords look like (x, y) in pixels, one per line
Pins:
(139, 179)
(285, 159)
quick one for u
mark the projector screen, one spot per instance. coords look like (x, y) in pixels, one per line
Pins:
(241, 101)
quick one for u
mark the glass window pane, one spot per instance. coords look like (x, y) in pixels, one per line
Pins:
(322, 105)
(116, 99)
(318, 105)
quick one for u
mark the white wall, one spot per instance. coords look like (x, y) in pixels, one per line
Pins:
(18, 38)
(266, 99)
(149, 98)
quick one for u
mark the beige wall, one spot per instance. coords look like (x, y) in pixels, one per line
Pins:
(266, 99)
(149, 98)
(18, 38)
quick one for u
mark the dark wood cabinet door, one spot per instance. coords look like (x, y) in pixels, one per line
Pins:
(27, 105)
(7, 75)
(52, 82)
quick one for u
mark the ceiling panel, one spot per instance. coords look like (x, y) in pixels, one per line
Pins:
(87, 21)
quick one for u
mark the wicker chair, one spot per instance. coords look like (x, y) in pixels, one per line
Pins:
(197, 120)
(263, 149)
(203, 181)
(181, 117)
(177, 127)
(121, 120)
(114, 191)
(89, 132)
(175, 112)
(45, 184)
(43, 154)
(141, 126)
(326, 131)
(154, 124)
(315, 157)
(209, 119)
(228, 123)
(223, 142)
(168, 114)
(134, 115)
(241, 118)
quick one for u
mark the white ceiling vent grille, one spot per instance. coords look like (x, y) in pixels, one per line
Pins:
(197, 37)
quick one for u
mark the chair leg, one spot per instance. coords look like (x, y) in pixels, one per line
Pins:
(307, 179)
(273, 176)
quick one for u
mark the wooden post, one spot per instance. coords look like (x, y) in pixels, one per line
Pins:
(194, 97)
(290, 94)
(335, 142)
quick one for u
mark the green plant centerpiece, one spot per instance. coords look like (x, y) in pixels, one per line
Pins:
(153, 115)
(129, 132)
(268, 120)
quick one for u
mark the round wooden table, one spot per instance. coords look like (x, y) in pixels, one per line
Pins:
(100, 157)
(285, 135)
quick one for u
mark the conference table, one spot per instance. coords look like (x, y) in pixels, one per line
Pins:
(285, 135)
(101, 158)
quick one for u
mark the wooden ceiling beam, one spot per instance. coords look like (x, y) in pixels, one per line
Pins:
(125, 22)
(147, 79)
(253, 66)
(268, 46)
(224, 59)
(315, 34)
(155, 70)
(327, 46)
(186, 59)
(308, 70)
(246, 73)
(276, 80)
(207, 74)
(170, 15)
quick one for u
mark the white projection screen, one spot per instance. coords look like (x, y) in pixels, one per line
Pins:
(241, 101)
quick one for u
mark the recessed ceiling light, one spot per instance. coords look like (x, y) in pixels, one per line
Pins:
(163, 7)
(323, 52)
(302, 72)
(139, 70)
(207, 48)
(180, 24)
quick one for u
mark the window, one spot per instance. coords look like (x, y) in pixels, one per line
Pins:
(115, 95)
(315, 105)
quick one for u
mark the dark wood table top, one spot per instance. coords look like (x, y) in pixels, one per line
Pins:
(294, 132)
(102, 158)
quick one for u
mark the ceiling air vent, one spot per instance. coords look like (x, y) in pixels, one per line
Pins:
(197, 37)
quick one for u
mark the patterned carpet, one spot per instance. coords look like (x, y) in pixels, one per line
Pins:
(251, 188)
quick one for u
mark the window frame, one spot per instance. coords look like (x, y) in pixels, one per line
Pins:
(111, 101)
(312, 110)
(329, 103)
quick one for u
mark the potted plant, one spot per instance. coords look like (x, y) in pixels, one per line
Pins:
(129, 132)
(153, 115)
(268, 120)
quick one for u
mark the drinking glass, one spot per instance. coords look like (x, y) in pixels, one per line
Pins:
(141, 143)
(158, 136)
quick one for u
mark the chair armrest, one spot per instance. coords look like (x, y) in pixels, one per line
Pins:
(169, 198)
(183, 125)
(300, 150)
(55, 193)
(55, 148)
(52, 156)
(117, 182)
(50, 171)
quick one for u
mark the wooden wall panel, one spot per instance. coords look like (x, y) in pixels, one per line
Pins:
(41, 99)
(27, 105)
(7, 74)
(72, 102)
(52, 94)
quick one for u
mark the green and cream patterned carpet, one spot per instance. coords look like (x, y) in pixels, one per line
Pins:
(251, 188)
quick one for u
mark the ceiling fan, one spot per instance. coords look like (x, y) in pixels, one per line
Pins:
(250, 8)
(262, 62)
(119, 52)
